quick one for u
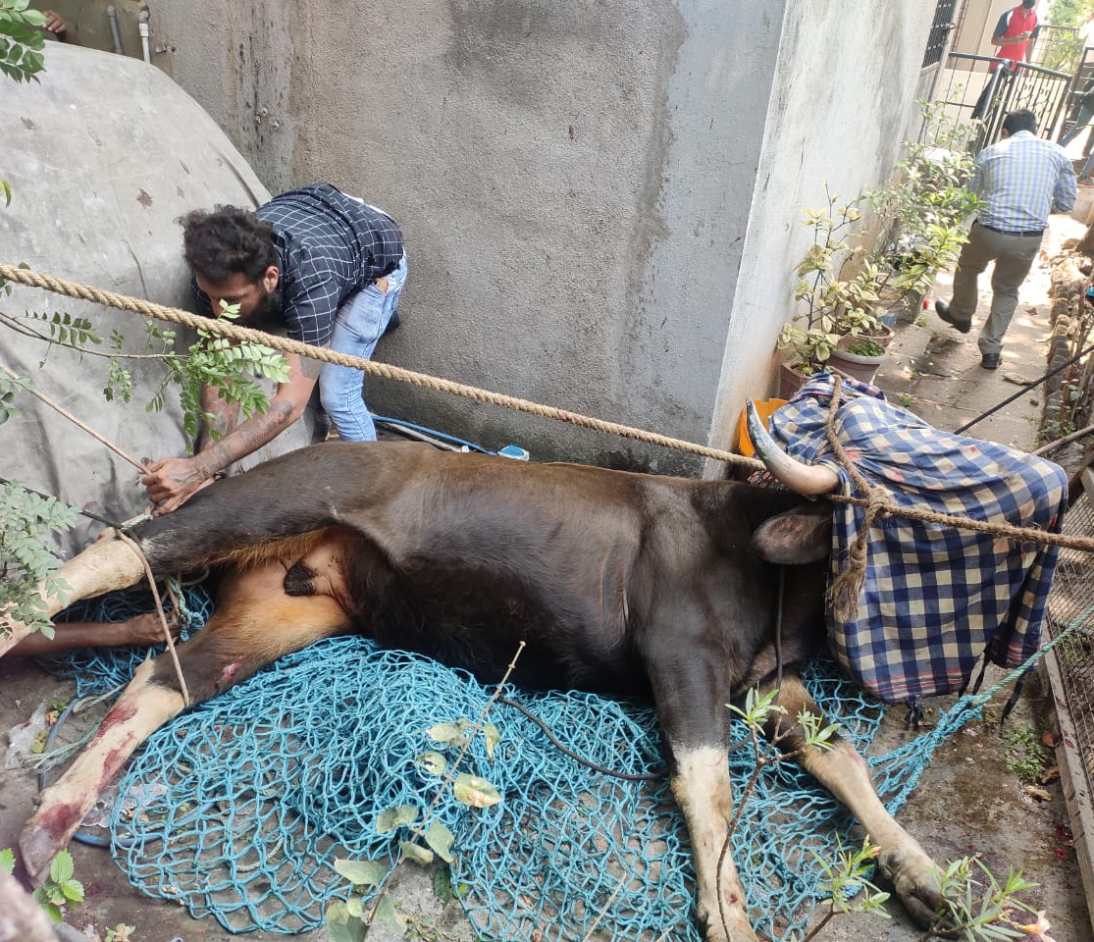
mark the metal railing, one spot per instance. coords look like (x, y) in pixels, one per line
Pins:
(979, 91)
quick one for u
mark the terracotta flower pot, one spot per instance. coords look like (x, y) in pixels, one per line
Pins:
(790, 381)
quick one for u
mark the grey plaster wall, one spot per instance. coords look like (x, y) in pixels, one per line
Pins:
(841, 104)
(600, 197)
(573, 179)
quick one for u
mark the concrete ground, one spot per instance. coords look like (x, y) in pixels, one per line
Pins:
(968, 801)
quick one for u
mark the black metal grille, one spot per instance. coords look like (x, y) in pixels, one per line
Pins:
(1084, 77)
(940, 29)
(1071, 599)
(1009, 87)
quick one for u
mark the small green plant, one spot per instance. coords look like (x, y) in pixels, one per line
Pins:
(60, 889)
(827, 307)
(27, 523)
(1024, 755)
(847, 885)
(980, 909)
(925, 205)
(865, 347)
(905, 400)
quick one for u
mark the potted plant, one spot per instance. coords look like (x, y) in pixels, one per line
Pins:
(830, 309)
(926, 205)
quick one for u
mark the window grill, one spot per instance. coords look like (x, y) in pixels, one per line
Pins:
(940, 30)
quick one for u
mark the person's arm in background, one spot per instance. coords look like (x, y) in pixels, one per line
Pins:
(140, 631)
(1063, 196)
(56, 26)
(1033, 34)
(976, 184)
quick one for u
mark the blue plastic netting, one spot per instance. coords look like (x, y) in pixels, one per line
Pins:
(242, 803)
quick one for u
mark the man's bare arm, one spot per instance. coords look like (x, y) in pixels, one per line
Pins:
(287, 405)
(174, 481)
(224, 417)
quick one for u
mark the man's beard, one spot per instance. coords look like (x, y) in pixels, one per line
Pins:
(267, 313)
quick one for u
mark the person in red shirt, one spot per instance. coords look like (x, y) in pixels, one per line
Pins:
(1013, 38)
(1015, 32)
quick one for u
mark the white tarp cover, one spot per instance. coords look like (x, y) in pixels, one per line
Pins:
(103, 155)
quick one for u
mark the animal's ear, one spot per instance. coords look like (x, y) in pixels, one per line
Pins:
(799, 536)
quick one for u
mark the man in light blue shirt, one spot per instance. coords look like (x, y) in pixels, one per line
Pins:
(1021, 179)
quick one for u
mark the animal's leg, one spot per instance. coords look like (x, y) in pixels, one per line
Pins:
(691, 687)
(255, 623)
(845, 774)
(102, 567)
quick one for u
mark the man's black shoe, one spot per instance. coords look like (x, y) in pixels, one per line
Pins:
(990, 361)
(943, 311)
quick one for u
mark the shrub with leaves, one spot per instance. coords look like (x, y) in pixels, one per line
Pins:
(829, 308)
(27, 523)
(211, 361)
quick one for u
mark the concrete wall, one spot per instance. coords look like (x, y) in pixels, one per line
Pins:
(573, 180)
(837, 119)
(576, 179)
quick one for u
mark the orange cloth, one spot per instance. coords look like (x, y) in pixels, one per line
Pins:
(765, 408)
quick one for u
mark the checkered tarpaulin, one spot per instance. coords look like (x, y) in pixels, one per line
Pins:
(935, 597)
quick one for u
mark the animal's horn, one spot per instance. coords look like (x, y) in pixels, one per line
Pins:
(809, 480)
(102, 567)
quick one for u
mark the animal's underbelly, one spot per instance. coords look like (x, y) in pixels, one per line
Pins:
(475, 618)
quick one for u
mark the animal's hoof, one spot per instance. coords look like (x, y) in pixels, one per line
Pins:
(917, 881)
(44, 835)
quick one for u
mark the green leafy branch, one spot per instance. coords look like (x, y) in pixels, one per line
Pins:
(21, 41)
(27, 566)
(214, 362)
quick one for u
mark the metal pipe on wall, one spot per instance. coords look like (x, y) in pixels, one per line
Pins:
(142, 25)
(112, 15)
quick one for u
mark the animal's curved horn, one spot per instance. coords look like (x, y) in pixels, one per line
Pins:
(806, 479)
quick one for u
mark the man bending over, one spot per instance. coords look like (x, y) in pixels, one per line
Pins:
(327, 266)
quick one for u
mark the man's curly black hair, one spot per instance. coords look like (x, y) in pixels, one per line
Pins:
(226, 241)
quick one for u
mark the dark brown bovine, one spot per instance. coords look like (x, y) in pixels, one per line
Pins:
(618, 583)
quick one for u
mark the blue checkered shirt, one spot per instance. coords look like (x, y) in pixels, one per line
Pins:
(935, 598)
(1021, 180)
(329, 246)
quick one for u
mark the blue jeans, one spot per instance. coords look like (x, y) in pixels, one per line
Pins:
(361, 322)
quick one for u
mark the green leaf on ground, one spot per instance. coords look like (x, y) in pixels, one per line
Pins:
(361, 872)
(418, 854)
(394, 817)
(474, 791)
(61, 868)
(438, 837)
(432, 763)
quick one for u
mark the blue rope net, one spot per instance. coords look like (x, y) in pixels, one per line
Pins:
(243, 803)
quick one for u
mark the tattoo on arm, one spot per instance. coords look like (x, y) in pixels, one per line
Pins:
(311, 368)
(248, 437)
(224, 414)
